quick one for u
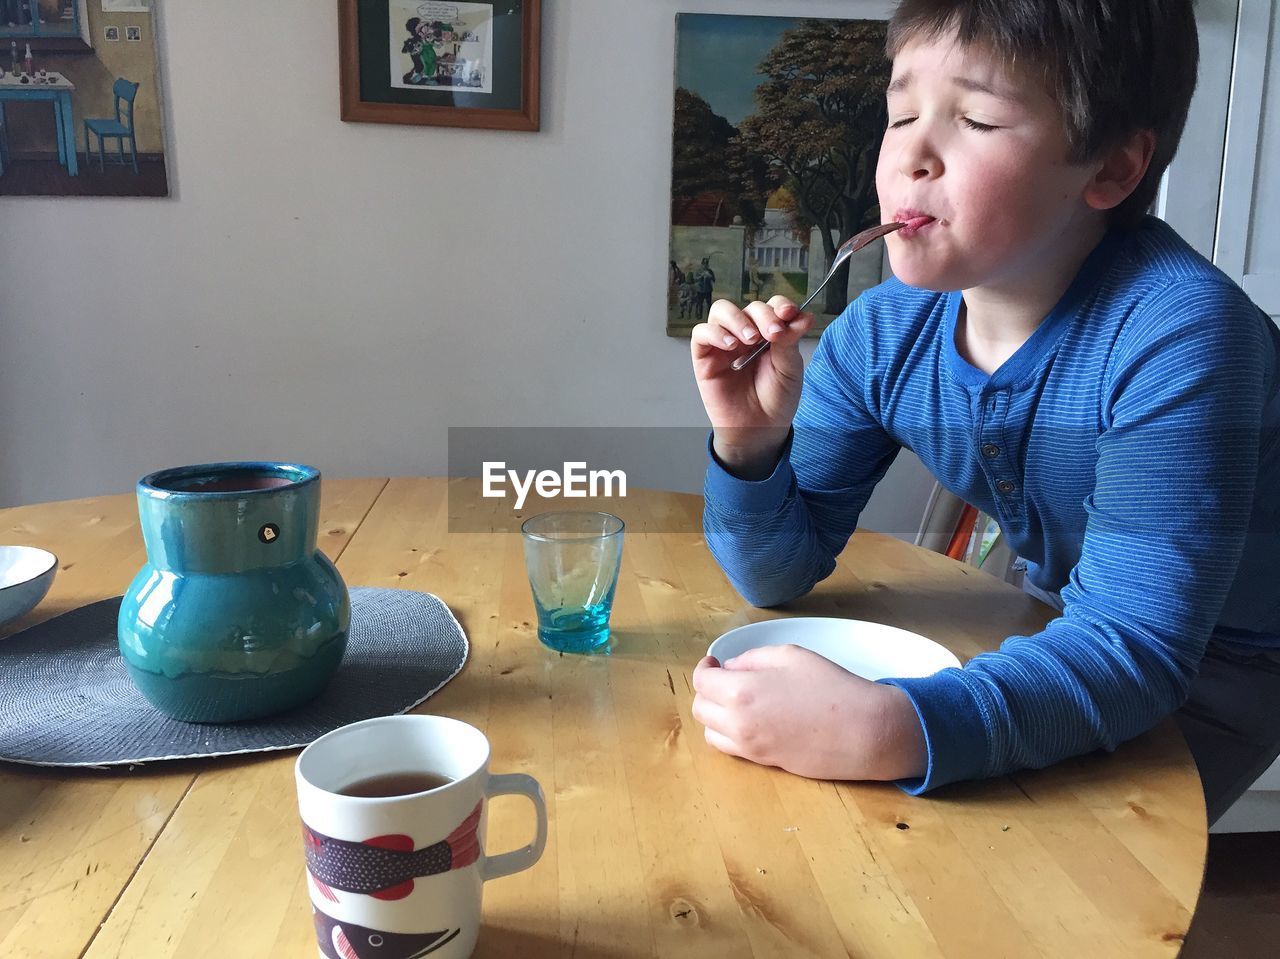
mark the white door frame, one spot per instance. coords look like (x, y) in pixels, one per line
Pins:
(1238, 199)
(1189, 193)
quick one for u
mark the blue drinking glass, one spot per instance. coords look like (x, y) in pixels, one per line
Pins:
(573, 560)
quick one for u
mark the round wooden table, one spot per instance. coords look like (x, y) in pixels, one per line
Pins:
(659, 845)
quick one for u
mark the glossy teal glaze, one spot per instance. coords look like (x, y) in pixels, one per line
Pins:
(236, 614)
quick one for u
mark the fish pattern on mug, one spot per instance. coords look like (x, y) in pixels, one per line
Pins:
(345, 940)
(385, 866)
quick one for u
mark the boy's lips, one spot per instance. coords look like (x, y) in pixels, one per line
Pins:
(915, 222)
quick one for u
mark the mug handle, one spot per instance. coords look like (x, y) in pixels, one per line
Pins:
(516, 784)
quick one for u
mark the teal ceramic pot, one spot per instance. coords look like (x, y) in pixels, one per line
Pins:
(236, 614)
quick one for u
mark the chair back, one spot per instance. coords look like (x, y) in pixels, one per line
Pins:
(125, 91)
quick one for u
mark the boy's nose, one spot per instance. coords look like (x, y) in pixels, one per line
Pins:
(920, 166)
(917, 161)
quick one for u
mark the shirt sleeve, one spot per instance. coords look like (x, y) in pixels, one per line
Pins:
(1183, 400)
(778, 537)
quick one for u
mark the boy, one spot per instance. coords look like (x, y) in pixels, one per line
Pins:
(1106, 393)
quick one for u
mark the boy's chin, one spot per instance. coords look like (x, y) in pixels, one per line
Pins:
(920, 276)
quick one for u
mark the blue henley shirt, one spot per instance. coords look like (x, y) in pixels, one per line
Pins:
(1130, 450)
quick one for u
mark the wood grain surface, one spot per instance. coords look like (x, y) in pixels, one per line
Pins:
(659, 845)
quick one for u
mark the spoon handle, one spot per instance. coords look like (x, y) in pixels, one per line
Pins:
(847, 249)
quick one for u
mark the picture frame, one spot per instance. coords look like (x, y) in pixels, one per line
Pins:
(454, 63)
(755, 210)
(94, 121)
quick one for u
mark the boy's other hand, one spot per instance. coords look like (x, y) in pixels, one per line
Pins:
(789, 707)
(750, 409)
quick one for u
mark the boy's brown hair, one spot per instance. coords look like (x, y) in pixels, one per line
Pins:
(1114, 66)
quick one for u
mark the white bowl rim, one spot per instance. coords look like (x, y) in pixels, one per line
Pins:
(842, 623)
(820, 619)
(50, 565)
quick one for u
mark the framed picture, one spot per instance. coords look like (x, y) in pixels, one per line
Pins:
(92, 121)
(458, 63)
(774, 153)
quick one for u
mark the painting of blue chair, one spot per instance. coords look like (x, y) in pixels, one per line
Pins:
(120, 129)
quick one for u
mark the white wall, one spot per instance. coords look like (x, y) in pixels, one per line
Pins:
(341, 293)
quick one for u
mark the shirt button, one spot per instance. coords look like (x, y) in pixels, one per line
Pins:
(990, 450)
(1005, 486)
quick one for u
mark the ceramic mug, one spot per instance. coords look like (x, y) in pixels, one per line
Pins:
(401, 876)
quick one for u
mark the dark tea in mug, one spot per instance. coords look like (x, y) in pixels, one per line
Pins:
(394, 784)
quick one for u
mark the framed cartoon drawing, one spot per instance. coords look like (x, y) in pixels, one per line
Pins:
(464, 63)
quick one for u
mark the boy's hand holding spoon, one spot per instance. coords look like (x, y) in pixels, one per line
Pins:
(751, 411)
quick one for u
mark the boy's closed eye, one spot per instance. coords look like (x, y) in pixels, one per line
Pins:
(971, 123)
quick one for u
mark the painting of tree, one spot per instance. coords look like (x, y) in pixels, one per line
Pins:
(703, 142)
(776, 134)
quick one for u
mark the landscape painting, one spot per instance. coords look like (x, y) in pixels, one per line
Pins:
(776, 134)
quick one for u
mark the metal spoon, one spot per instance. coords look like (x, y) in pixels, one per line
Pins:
(847, 249)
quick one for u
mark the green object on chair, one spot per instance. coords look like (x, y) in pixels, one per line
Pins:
(119, 129)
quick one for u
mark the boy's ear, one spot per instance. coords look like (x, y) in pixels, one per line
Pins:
(1123, 167)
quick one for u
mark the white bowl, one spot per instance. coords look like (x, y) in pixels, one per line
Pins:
(26, 573)
(872, 650)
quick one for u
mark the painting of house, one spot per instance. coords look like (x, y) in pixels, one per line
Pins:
(81, 105)
(755, 205)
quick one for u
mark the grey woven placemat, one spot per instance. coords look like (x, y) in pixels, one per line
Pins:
(66, 699)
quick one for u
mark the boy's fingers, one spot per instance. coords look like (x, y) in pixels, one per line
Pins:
(783, 307)
(714, 337)
(733, 322)
(729, 328)
(705, 665)
(790, 314)
(724, 313)
(732, 689)
(766, 322)
(722, 742)
(712, 682)
(711, 714)
(800, 324)
(785, 357)
(782, 322)
(762, 657)
(794, 331)
(747, 325)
